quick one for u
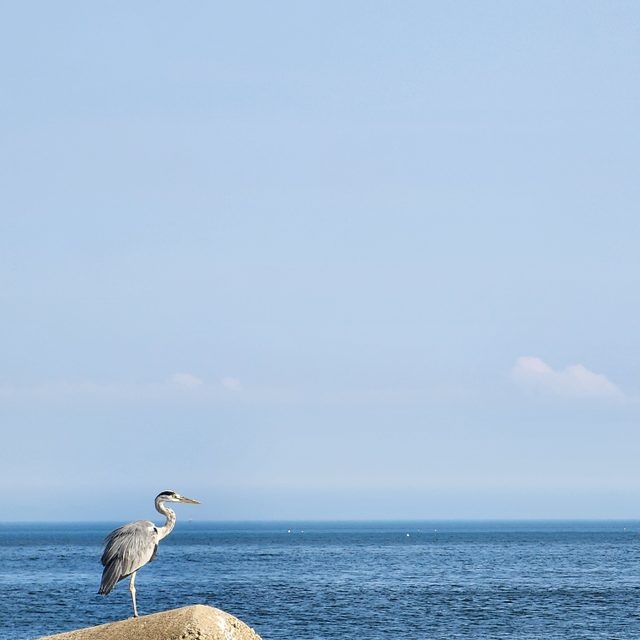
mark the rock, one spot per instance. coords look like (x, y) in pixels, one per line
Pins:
(197, 622)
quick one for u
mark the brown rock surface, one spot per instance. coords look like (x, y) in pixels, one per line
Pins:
(197, 622)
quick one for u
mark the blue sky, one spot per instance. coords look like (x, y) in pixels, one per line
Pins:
(320, 260)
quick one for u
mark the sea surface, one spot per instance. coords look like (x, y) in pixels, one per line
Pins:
(342, 581)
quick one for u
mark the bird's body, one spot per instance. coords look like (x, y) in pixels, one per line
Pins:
(127, 549)
(133, 545)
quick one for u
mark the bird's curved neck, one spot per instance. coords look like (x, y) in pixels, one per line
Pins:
(170, 516)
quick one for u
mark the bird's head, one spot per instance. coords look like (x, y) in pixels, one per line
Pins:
(172, 496)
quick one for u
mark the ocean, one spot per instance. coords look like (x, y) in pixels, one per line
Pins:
(343, 580)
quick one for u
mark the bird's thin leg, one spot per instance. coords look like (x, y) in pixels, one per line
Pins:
(132, 588)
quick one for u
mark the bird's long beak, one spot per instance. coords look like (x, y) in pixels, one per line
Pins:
(188, 500)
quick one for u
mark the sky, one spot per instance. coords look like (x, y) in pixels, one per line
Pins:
(337, 260)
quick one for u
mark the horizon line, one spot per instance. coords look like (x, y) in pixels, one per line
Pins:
(346, 521)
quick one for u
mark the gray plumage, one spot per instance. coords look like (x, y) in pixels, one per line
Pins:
(133, 545)
(127, 549)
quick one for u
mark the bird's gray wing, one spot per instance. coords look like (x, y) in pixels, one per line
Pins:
(126, 550)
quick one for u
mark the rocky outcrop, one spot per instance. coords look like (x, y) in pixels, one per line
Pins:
(197, 622)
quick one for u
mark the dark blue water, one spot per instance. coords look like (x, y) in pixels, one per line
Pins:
(342, 581)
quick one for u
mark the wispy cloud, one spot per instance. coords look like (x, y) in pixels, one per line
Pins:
(178, 386)
(575, 380)
(232, 384)
(187, 380)
(186, 387)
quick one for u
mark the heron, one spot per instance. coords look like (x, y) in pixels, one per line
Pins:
(131, 546)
